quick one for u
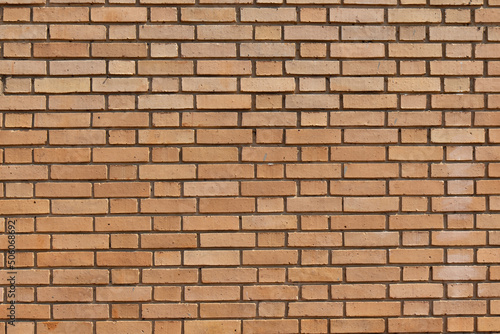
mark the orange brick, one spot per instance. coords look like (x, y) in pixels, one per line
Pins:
(359, 256)
(118, 14)
(268, 15)
(368, 274)
(80, 326)
(357, 325)
(208, 14)
(415, 324)
(459, 273)
(363, 309)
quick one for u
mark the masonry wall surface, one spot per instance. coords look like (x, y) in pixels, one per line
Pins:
(250, 166)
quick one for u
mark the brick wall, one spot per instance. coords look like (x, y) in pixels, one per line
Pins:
(239, 166)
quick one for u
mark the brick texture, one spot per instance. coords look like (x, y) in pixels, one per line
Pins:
(251, 166)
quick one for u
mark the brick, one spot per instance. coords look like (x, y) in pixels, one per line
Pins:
(118, 14)
(64, 294)
(358, 256)
(119, 50)
(61, 50)
(228, 310)
(271, 292)
(311, 101)
(62, 327)
(77, 137)
(414, 85)
(357, 50)
(316, 33)
(416, 256)
(428, 325)
(166, 32)
(224, 136)
(77, 172)
(457, 170)
(356, 15)
(30, 103)
(266, 257)
(455, 34)
(224, 32)
(164, 67)
(370, 170)
(63, 189)
(314, 204)
(208, 14)
(268, 15)
(60, 14)
(452, 307)
(488, 324)
(357, 325)
(423, 290)
(363, 309)
(357, 291)
(426, 221)
(222, 171)
(265, 50)
(448, 101)
(457, 136)
(314, 239)
(313, 15)
(458, 204)
(459, 273)
(315, 309)
(409, 15)
(68, 259)
(208, 50)
(165, 101)
(208, 85)
(159, 311)
(358, 153)
(62, 85)
(76, 102)
(222, 205)
(169, 276)
(84, 206)
(74, 32)
(368, 67)
(314, 274)
(16, 15)
(24, 206)
(198, 326)
(23, 137)
(113, 326)
(352, 101)
(57, 120)
(269, 222)
(419, 187)
(368, 33)
(456, 68)
(23, 32)
(415, 50)
(223, 67)
(368, 274)
(371, 239)
(285, 119)
(458, 238)
(214, 101)
(267, 84)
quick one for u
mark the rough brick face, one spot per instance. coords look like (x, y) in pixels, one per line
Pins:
(251, 167)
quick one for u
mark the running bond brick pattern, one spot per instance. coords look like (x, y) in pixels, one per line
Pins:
(251, 166)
